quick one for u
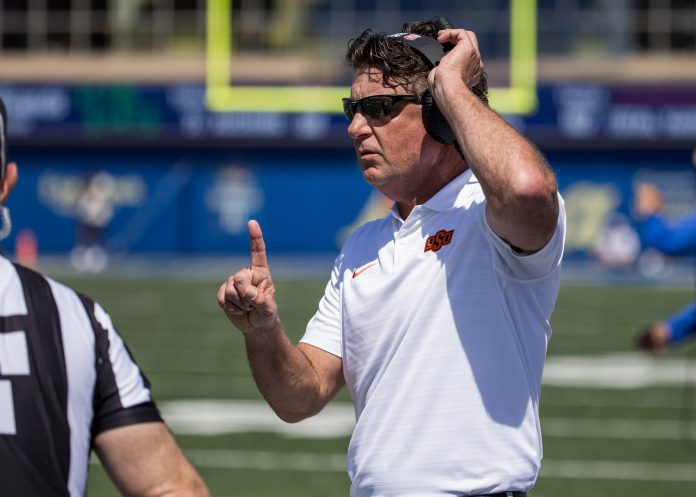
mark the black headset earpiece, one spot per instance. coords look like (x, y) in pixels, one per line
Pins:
(435, 123)
(432, 51)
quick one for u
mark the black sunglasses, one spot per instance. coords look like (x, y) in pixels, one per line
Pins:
(375, 106)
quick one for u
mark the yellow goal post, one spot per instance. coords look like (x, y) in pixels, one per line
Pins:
(519, 98)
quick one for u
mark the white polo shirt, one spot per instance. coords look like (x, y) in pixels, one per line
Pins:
(442, 330)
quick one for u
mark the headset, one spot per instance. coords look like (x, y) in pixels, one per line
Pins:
(432, 52)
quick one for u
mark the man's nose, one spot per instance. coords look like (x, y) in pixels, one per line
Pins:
(359, 126)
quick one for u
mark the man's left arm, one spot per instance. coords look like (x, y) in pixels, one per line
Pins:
(521, 191)
(144, 460)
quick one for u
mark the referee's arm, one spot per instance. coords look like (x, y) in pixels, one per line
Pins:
(143, 460)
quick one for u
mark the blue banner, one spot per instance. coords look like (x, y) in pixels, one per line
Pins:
(567, 116)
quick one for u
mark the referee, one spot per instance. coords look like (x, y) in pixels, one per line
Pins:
(69, 385)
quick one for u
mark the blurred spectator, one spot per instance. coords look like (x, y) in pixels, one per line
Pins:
(617, 244)
(94, 210)
(676, 237)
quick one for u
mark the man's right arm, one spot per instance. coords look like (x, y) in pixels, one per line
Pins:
(296, 380)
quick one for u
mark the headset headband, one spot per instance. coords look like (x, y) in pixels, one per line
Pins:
(427, 46)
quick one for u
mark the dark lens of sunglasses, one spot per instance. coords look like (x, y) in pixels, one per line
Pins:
(349, 109)
(373, 108)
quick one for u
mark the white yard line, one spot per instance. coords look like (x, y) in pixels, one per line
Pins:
(622, 371)
(217, 417)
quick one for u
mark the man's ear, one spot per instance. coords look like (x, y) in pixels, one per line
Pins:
(8, 181)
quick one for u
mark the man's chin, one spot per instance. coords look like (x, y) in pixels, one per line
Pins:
(371, 176)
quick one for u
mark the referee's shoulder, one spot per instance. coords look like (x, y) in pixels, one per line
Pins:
(30, 274)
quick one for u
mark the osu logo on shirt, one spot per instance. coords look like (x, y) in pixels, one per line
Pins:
(438, 240)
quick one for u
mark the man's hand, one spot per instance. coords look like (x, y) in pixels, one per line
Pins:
(654, 339)
(248, 296)
(648, 200)
(463, 61)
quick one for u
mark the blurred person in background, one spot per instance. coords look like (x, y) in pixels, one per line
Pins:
(94, 210)
(436, 317)
(672, 237)
(68, 384)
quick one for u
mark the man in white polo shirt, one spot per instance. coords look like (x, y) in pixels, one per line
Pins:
(436, 317)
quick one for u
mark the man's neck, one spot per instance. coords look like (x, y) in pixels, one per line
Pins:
(427, 190)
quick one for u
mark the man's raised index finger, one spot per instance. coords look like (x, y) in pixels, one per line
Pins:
(258, 246)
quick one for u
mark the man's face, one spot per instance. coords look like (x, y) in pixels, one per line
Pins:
(392, 150)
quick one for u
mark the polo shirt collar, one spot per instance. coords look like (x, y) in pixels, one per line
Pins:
(451, 195)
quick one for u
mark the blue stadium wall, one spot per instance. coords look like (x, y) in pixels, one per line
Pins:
(185, 180)
(198, 201)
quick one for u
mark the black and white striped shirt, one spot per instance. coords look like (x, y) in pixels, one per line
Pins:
(65, 376)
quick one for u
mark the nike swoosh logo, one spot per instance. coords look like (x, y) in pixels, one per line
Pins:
(360, 270)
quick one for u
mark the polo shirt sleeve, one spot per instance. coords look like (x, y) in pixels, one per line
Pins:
(324, 329)
(532, 266)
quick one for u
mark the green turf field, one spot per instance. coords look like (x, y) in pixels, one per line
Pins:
(616, 439)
